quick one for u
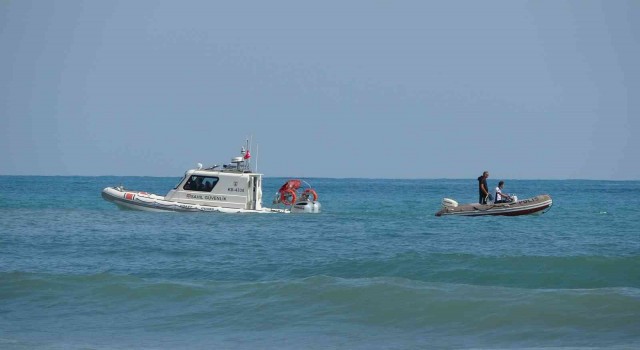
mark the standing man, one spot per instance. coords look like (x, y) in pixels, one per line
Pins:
(483, 189)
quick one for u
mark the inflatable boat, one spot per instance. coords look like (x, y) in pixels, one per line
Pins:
(232, 188)
(538, 204)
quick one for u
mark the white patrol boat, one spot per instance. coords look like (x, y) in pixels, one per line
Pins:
(232, 188)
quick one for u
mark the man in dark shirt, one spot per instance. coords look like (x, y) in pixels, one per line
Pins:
(483, 189)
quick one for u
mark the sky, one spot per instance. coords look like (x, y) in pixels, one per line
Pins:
(339, 89)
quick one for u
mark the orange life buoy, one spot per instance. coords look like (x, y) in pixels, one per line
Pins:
(283, 196)
(311, 192)
(291, 185)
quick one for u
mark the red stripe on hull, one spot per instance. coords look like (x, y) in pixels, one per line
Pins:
(516, 213)
(530, 211)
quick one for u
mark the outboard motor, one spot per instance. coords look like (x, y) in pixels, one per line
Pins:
(449, 203)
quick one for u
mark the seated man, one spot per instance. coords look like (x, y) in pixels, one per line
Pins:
(502, 197)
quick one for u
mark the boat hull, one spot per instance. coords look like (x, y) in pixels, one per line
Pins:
(136, 200)
(538, 204)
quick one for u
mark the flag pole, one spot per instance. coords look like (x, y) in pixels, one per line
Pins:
(244, 156)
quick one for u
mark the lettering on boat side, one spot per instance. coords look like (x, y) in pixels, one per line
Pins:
(235, 188)
(527, 200)
(206, 197)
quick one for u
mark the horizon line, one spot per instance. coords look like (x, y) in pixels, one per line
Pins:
(340, 178)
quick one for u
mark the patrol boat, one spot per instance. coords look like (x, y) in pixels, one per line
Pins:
(231, 188)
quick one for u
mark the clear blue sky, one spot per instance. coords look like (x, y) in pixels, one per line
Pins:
(377, 89)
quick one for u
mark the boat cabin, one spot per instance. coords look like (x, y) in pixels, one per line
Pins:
(232, 186)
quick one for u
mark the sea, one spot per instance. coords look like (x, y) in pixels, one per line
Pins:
(376, 269)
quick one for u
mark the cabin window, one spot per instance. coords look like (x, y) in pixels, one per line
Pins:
(200, 183)
(178, 184)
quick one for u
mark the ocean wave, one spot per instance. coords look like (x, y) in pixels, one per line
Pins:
(533, 272)
(509, 271)
(483, 314)
(387, 296)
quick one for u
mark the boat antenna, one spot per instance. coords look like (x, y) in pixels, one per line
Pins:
(257, 145)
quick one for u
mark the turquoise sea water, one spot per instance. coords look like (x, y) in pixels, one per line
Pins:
(375, 270)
